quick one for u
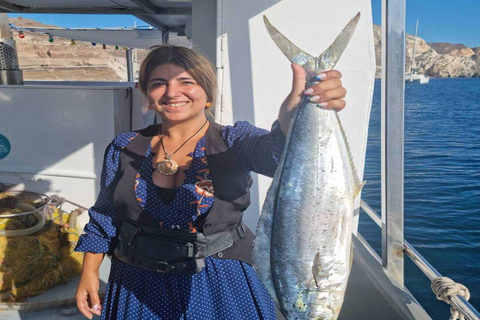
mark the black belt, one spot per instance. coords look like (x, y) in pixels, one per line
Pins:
(171, 251)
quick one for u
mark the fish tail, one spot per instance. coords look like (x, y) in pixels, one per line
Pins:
(313, 65)
(330, 57)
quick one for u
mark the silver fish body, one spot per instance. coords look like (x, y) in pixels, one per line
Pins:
(302, 250)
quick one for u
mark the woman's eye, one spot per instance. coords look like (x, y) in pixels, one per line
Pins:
(188, 82)
(157, 84)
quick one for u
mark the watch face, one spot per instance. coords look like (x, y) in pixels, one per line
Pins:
(5, 146)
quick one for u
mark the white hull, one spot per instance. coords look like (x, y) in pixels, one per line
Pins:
(420, 78)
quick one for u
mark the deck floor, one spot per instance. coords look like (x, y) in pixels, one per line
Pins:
(370, 295)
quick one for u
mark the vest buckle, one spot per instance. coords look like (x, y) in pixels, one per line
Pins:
(161, 266)
(241, 230)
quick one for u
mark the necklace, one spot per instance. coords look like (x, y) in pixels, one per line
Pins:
(167, 166)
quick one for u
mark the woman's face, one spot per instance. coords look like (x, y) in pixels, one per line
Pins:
(174, 94)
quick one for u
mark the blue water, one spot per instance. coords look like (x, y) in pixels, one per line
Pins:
(442, 184)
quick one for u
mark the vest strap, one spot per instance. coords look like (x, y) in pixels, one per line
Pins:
(171, 251)
(223, 240)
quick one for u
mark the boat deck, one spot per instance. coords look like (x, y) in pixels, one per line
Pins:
(370, 295)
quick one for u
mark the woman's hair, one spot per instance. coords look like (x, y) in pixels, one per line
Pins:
(199, 67)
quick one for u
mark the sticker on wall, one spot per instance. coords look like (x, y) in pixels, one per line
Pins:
(4, 146)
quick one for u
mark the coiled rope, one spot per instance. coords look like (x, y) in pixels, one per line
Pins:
(444, 288)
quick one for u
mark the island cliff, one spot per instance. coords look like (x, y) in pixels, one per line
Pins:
(440, 60)
(42, 60)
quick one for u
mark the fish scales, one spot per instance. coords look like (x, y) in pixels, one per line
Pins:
(302, 250)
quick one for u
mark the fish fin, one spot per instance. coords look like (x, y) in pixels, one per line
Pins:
(291, 51)
(359, 187)
(358, 184)
(317, 269)
(330, 57)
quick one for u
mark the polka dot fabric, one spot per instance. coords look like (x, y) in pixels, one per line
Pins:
(225, 289)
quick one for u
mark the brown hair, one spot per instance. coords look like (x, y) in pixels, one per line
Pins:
(199, 67)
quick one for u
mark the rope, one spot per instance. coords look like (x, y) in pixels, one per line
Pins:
(445, 288)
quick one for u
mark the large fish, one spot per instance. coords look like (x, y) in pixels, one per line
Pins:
(302, 250)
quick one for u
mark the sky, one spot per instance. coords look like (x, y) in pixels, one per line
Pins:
(452, 21)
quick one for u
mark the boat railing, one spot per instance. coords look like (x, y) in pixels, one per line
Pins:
(458, 301)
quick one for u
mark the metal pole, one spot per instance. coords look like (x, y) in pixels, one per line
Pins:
(393, 88)
(9, 68)
(130, 75)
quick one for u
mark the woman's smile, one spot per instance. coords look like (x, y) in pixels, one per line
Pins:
(174, 106)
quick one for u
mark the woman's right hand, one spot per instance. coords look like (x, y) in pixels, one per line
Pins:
(88, 301)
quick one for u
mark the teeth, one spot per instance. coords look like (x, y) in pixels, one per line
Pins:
(176, 104)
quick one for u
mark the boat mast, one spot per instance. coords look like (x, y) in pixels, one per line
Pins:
(413, 68)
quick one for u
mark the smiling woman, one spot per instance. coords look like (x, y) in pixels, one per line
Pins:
(196, 65)
(172, 199)
(174, 94)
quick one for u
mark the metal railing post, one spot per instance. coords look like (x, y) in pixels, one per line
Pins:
(393, 88)
(130, 72)
(458, 301)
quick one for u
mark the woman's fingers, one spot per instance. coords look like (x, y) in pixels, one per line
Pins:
(328, 93)
(88, 301)
(324, 86)
(82, 303)
(332, 94)
(337, 104)
(96, 305)
(88, 309)
(330, 74)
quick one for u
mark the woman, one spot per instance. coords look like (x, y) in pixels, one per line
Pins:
(170, 176)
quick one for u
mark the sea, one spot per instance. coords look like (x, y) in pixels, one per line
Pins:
(442, 184)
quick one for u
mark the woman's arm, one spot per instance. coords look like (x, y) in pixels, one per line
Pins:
(260, 150)
(88, 301)
(99, 232)
(329, 90)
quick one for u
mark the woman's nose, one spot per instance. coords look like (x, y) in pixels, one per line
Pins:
(173, 90)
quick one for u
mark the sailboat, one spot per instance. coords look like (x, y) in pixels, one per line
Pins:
(413, 76)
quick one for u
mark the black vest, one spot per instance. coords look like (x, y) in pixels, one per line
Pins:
(231, 185)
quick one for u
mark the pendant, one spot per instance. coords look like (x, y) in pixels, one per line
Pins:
(167, 167)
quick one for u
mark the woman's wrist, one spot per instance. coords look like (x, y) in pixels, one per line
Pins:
(92, 262)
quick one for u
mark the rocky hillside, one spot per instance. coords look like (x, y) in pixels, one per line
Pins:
(441, 60)
(41, 60)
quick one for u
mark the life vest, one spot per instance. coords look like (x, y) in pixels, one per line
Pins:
(231, 185)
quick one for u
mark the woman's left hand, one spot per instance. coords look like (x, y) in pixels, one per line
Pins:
(328, 94)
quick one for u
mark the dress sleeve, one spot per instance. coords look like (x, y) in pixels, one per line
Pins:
(102, 226)
(257, 149)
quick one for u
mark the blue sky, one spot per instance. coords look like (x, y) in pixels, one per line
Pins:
(453, 21)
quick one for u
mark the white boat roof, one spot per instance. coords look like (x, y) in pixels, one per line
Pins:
(127, 37)
(165, 15)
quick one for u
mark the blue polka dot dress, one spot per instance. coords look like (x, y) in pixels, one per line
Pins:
(224, 289)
